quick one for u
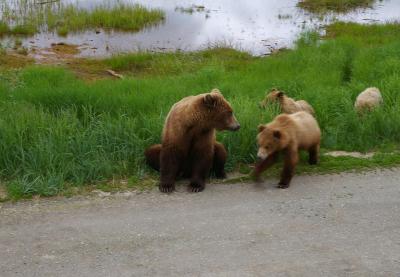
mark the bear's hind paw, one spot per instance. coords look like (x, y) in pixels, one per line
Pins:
(282, 186)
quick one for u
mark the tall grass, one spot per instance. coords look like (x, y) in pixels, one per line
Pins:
(56, 130)
(28, 18)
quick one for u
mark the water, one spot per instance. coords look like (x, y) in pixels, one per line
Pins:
(256, 26)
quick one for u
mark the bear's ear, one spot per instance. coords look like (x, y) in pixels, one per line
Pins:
(277, 134)
(261, 128)
(210, 101)
(215, 90)
(280, 94)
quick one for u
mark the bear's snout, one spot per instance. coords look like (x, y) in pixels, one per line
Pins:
(234, 124)
(235, 127)
(262, 154)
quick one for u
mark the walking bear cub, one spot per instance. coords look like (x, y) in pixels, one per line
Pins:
(287, 134)
(189, 146)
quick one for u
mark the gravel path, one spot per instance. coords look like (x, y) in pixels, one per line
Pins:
(330, 225)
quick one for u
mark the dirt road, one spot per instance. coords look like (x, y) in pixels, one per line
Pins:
(332, 225)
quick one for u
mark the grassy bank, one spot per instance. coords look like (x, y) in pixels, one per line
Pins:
(31, 18)
(340, 6)
(57, 131)
(145, 64)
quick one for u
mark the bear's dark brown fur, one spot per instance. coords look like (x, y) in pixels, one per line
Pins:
(189, 146)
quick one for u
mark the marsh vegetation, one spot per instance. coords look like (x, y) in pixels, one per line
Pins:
(340, 6)
(27, 17)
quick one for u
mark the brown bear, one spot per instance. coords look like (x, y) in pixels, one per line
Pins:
(287, 133)
(287, 104)
(189, 146)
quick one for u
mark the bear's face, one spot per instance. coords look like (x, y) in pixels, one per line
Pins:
(274, 96)
(269, 141)
(220, 111)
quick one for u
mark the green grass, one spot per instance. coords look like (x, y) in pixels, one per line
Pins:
(177, 63)
(69, 18)
(364, 35)
(23, 30)
(57, 131)
(339, 6)
(4, 28)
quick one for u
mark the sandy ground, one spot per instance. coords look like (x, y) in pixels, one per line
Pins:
(331, 225)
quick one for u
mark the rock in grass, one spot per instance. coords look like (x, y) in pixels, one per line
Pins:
(368, 100)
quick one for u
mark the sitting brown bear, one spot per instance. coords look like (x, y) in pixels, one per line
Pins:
(189, 146)
(287, 104)
(287, 133)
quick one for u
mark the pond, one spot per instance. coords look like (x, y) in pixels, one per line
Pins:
(256, 26)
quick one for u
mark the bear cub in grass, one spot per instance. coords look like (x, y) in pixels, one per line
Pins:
(189, 147)
(287, 104)
(287, 134)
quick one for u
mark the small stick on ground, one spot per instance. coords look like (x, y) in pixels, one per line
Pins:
(115, 74)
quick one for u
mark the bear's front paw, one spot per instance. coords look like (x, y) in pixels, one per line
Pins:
(196, 187)
(166, 188)
(282, 185)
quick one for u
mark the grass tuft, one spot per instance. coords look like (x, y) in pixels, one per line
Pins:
(338, 6)
(63, 19)
(4, 28)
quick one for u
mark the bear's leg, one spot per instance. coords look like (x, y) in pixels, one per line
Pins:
(152, 155)
(170, 163)
(219, 160)
(290, 162)
(263, 165)
(203, 153)
(313, 154)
